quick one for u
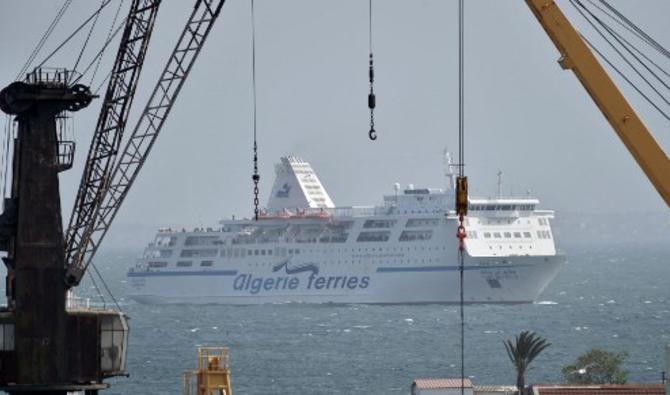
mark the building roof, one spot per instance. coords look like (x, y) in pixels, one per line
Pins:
(441, 383)
(503, 389)
(605, 389)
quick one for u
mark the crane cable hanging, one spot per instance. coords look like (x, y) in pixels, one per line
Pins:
(461, 203)
(88, 38)
(255, 177)
(74, 33)
(372, 101)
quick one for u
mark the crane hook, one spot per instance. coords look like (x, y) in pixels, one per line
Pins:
(372, 134)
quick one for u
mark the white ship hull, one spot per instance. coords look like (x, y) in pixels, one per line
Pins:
(487, 280)
(404, 251)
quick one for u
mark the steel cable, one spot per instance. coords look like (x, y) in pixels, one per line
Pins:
(44, 38)
(255, 177)
(653, 43)
(74, 33)
(88, 37)
(608, 29)
(109, 37)
(575, 3)
(461, 172)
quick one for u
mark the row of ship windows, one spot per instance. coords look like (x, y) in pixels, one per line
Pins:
(182, 264)
(162, 264)
(507, 235)
(232, 252)
(542, 234)
(374, 236)
(277, 251)
(369, 224)
(504, 207)
(530, 247)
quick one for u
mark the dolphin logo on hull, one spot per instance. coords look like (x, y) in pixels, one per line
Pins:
(297, 268)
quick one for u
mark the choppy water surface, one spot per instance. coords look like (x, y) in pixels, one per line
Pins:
(615, 296)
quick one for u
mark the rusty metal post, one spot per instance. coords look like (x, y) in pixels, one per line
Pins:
(36, 251)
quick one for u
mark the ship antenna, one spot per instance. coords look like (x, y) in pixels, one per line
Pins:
(372, 101)
(499, 184)
(255, 177)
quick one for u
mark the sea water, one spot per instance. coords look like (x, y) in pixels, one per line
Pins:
(613, 296)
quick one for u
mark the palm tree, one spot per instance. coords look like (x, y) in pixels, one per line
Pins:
(526, 347)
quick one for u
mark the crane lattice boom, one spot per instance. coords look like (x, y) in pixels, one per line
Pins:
(111, 124)
(191, 41)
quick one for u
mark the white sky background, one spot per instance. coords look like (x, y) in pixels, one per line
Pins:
(524, 115)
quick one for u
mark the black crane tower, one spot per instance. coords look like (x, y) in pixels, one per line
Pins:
(46, 347)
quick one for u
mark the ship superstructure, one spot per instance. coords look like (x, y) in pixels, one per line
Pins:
(305, 249)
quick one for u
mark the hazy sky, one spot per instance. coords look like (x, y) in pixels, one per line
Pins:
(525, 116)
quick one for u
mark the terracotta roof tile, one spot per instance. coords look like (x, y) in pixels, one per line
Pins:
(441, 383)
(495, 388)
(609, 389)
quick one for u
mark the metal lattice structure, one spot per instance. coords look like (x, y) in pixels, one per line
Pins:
(109, 130)
(205, 13)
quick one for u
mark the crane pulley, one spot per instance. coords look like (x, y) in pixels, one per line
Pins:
(102, 193)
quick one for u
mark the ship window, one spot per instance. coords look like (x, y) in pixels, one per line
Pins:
(206, 263)
(527, 235)
(262, 252)
(497, 235)
(374, 236)
(517, 235)
(184, 264)
(190, 253)
(157, 264)
(417, 222)
(543, 234)
(379, 223)
(269, 252)
(255, 252)
(165, 253)
(411, 235)
(166, 241)
(201, 240)
(508, 235)
(487, 235)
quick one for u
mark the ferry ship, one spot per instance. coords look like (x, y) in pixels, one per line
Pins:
(304, 249)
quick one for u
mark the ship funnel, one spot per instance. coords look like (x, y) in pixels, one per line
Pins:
(297, 186)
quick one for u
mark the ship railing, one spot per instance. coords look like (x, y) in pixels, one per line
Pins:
(347, 211)
(544, 213)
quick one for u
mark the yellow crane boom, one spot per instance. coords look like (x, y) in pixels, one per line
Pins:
(576, 56)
